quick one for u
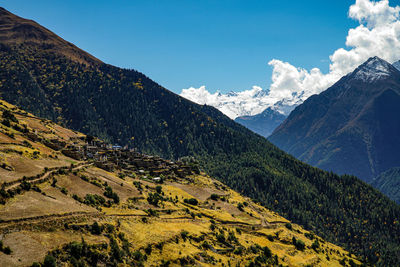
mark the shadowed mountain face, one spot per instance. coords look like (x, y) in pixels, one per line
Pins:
(353, 127)
(397, 65)
(126, 107)
(389, 183)
(264, 123)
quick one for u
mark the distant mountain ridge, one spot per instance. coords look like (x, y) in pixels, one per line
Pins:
(244, 103)
(126, 107)
(264, 123)
(352, 127)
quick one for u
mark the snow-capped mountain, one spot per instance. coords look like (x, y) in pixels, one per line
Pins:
(245, 103)
(373, 70)
(353, 127)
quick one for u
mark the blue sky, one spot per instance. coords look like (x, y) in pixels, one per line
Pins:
(224, 45)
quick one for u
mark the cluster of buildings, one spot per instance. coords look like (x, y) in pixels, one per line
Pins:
(114, 157)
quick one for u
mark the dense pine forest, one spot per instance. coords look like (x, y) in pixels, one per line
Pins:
(125, 107)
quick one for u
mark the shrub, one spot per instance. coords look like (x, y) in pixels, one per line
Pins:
(315, 245)
(299, 244)
(214, 197)
(9, 116)
(212, 227)
(159, 189)
(238, 250)
(309, 235)
(49, 261)
(270, 237)
(267, 252)
(6, 123)
(152, 212)
(148, 249)
(110, 228)
(154, 199)
(191, 201)
(205, 245)
(232, 237)
(7, 250)
(27, 144)
(221, 238)
(184, 235)
(110, 194)
(116, 252)
(96, 229)
(94, 200)
(64, 190)
(25, 185)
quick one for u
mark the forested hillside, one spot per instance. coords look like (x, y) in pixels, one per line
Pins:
(125, 107)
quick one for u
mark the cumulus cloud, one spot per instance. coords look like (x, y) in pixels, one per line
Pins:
(378, 34)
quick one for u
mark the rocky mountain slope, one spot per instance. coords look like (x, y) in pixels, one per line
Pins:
(105, 205)
(264, 123)
(125, 107)
(352, 127)
(388, 183)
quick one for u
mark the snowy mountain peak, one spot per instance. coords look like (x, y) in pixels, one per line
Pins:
(372, 70)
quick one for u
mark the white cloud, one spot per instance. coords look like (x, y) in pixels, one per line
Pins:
(378, 34)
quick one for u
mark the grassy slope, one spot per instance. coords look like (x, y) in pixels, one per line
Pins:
(36, 221)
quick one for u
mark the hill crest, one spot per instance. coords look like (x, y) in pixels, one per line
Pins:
(15, 30)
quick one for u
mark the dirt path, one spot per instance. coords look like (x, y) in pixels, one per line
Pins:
(35, 180)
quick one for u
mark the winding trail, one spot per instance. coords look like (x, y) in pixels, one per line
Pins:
(43, 177)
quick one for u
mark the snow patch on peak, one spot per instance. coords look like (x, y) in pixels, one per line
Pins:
(372, 70)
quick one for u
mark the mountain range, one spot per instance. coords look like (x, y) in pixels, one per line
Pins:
(245, 103)
(52, 78)
(352, 127)
(264, 123)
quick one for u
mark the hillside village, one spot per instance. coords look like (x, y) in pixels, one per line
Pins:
(114, 157)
